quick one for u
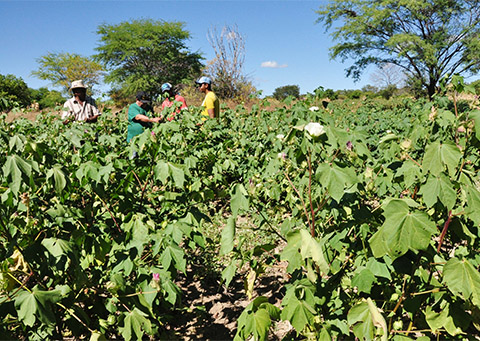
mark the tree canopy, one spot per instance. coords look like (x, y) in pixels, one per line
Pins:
(13, 92)
(143, 54)
(283, 92)
(429, 39)
(64, 68)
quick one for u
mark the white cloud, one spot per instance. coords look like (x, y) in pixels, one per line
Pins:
(273, 64)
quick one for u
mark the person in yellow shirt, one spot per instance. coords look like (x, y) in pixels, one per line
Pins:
(211, 102)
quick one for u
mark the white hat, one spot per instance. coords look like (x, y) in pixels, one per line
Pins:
(77, 84)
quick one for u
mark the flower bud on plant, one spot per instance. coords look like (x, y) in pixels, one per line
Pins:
(155, 283)
(406, 144)
(349, 145)
(315, 129)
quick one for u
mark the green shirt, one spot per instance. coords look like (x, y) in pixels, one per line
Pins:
(136, 127)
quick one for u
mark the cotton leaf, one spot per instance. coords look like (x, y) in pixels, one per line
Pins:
(402, 231)
(462, 278)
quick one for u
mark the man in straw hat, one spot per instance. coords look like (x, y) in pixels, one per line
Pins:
(80, 107)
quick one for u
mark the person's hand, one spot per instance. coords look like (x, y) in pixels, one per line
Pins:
(93, 118)
(156, 119)
(68, 120)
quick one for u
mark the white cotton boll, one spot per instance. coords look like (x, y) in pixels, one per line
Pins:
(314, 108)
(280, 136)
(315, 129)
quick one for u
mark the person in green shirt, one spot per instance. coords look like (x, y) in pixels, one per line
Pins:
(211, 102)
(138, 117)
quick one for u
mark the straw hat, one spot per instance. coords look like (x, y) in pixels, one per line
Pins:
(77, 84)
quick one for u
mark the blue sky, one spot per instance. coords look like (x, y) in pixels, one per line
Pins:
(284, 44)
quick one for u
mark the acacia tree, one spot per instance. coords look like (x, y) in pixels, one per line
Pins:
(143, 54)
(429, 39)
(63, 68)
(227, 66)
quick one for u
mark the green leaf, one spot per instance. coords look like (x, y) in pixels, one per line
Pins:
(256, 319)
(299, 313)
(364, 318)
(291, 252)
(135, 323)
(411, 173)
(442, 320)
(175, 254)
(402, 231)
(58, 176)
(16, 142)
(335, 179)
(228, 236)
(475, 115)
(364, 280)
(438, 188)
(36, 304)
(310, 248)
(239, 200)
(161, 171)
(26, 307)
(228, 273)
(438, 155)
(473, 205)
(462, 278)
(57, 247)
(14, 167)
(177, 174)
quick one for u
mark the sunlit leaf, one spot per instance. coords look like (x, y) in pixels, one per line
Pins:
(402, 230)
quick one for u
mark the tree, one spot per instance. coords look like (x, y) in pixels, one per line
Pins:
(47, 98)
(63, 68)
(283, 92)
(429, 39)
(144, 54)
(14, 92)
(388, 75)
(227, 66)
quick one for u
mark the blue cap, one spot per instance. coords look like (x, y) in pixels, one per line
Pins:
(203, 80)
(166, 87)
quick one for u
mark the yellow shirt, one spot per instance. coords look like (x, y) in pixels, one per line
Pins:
(211, 102)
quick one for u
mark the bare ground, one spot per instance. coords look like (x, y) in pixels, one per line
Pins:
(211, 310)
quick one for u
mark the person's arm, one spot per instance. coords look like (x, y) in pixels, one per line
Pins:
(67, 114)
(146, 119)
(94, 109)
(211, 113)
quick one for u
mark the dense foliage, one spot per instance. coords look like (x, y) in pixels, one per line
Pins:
(373, 209)
(143, 54)
(47, 98)
(428, 39)
(283, 92)
(14, 92)
(61, 69)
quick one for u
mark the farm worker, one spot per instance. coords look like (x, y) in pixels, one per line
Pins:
(211, 102)
(171, 98)
(138, 117)
(80, 107)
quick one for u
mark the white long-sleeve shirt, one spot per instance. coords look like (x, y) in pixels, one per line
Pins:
(81, 112)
